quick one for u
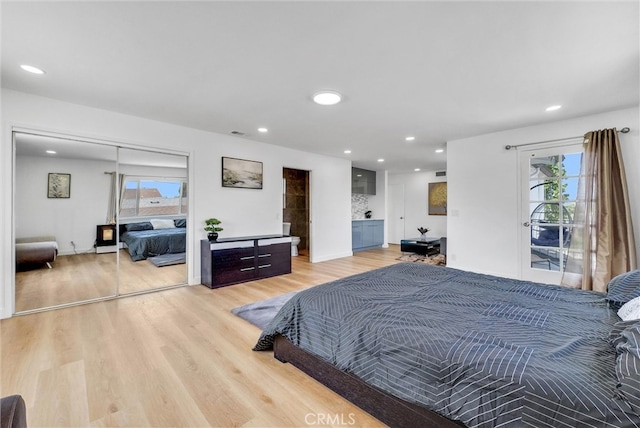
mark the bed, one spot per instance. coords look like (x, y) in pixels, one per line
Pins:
(415, 344)
(154, 238)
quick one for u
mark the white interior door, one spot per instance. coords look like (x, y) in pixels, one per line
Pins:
(549, 190)
(396, 213)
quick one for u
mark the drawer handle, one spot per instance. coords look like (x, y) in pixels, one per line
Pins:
(265, 255)
(264, 266)
(247, 258)
(246, 269)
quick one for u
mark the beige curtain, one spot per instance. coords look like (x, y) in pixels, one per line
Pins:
(117, 182)
(602, 243)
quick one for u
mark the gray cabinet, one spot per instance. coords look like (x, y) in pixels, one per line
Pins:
(363, 181)
(356, 234)
(367, 234)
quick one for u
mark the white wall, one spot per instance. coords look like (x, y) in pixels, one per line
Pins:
(378, 204)
(483, 221)
(243, 211)
(72, 219)
(416, 211)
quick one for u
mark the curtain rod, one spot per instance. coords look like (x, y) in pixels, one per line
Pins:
(624, 130)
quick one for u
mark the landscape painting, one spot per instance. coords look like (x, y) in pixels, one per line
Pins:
(241, 173)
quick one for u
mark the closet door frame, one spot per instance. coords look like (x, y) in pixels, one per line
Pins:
(10, 292)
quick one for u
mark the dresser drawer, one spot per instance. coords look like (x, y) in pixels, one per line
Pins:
(233, 275)
(272, 269)
(265, 250)
(232, 255)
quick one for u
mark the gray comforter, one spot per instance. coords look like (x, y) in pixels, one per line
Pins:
(479, 349)
(147, 243)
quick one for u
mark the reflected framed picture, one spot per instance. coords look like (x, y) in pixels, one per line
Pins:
(59, 185)
(240, 173)
(438, 198)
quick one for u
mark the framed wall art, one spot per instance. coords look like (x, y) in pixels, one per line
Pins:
(438, 198)
(59, 185)
(240, 173)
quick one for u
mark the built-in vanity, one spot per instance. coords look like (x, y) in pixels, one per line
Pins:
(366, 234)
(230, 261)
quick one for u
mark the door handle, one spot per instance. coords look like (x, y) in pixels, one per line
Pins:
(526, 224)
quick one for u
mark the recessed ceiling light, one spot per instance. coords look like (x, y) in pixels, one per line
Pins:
(410, 138)
(51, 152)
(327, 98)
(359, 175)
(380, 160)
(31, 69)
(553, 108)
(263, 130)
(439, 150)
(417, 169)
(346, 152)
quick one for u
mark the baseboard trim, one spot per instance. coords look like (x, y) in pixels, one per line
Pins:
(331, 257)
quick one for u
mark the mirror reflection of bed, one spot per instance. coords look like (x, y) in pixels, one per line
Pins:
(85, 268)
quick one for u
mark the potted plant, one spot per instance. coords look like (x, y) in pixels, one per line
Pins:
(212, 228)
(423, 233)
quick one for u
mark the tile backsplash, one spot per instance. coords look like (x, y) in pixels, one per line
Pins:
(359, 204)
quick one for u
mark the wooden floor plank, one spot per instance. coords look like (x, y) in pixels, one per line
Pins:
(87, 276)
(172, 358)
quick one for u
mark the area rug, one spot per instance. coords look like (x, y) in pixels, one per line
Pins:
(168, 259)
(437, 260)
(262, 312)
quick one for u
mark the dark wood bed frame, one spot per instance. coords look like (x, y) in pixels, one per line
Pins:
(391, 410)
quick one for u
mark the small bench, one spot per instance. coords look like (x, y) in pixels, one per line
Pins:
(36, 250)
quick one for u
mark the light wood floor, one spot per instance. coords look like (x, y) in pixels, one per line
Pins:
(79, 277)
(173, 358)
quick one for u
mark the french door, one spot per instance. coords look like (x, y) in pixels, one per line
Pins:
(549, 192)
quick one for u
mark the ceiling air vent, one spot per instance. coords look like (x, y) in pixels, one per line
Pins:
(238, 133)
(441, 173)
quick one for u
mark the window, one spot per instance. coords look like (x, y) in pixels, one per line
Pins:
(153, 197)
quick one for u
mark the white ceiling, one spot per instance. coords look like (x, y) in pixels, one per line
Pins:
(435, 70)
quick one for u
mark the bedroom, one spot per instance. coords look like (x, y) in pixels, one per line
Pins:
(485, 219)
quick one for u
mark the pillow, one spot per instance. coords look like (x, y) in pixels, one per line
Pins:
(180, 222)
(162, 224)
(630, 310)
(145, 225)
(623, 288)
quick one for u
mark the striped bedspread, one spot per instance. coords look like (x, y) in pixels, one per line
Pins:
(479, 349)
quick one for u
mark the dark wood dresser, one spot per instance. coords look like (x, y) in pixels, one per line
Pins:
(230, 261)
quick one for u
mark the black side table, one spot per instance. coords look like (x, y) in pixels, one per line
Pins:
(428, 247)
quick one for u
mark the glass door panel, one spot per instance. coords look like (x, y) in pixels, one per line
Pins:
(551, 178)
(56, 223)
(154, 201)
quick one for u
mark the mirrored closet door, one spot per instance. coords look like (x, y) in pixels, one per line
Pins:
(153, 220)
(77, 202)
(60, 196)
